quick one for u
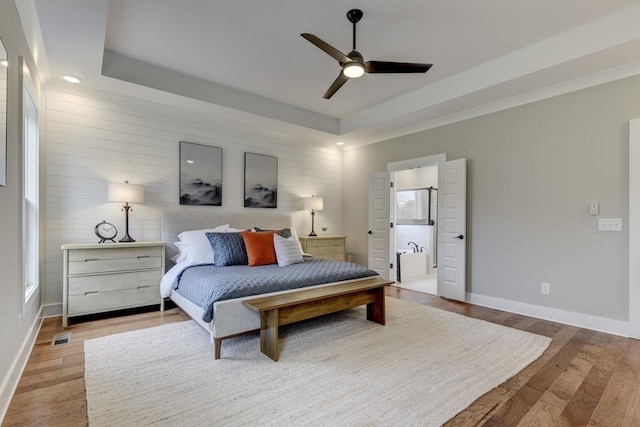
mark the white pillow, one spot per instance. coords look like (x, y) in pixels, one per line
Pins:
(237, 230)
(287, 250)
(294, 234)
(194, 246)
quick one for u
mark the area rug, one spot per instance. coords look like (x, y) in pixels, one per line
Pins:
(422, 368)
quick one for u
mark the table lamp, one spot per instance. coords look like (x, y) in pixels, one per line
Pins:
(314, 204)
(127, 193)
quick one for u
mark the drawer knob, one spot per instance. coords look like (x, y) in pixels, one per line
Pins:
(91, 292)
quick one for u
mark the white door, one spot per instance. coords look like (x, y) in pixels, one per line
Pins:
(452, 237)
(380, 223)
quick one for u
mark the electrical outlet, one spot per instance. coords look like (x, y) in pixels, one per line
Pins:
(545, 288)
(594, 208)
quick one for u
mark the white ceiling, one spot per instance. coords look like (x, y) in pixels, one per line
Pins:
(247, 58)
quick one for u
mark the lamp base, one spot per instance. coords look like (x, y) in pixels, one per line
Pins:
(126, 238)
(313, 223)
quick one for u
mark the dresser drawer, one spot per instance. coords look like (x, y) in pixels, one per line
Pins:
(325, 246)
(80, 285)
(91, 261)
(112, 300)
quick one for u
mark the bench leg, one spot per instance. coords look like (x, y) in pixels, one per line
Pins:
(376, 310)
(269, 333)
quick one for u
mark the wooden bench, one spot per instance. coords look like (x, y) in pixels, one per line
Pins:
(282, 309)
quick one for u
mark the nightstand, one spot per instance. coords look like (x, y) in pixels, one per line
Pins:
(327, 247)
(110, 276)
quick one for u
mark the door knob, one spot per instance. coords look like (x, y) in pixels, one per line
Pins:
(369, 232)
(459, 236)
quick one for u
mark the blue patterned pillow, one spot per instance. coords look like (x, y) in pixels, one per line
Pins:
(229, 248)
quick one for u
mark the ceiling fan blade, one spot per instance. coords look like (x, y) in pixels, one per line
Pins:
(395, 67)
(332, 51)
(337, 84)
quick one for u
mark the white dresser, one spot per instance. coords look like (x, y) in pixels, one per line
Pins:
(110, 276)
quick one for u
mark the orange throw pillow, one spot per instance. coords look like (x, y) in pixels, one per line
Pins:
(260, 249)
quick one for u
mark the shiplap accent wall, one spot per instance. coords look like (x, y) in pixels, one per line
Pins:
(92, 138)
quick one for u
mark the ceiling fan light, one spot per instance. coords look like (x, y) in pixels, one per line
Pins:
(353, 70)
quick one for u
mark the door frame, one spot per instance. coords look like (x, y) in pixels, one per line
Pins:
(634, 228)
(420, 162)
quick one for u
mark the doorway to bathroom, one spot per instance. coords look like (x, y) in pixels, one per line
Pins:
(449, 222)
(415, 205)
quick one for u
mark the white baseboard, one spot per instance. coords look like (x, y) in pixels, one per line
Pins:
(601, 324)
(11, 381)
(52, 310)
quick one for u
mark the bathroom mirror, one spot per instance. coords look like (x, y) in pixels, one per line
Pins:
(415, 206)
(4, 68)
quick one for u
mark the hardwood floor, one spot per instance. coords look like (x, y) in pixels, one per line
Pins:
(583, 378)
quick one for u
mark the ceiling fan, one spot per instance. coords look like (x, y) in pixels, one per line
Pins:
(353, 64)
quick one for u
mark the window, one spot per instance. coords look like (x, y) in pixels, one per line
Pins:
(416, 207)
(30, 191)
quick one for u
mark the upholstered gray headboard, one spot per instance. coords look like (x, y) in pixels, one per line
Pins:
(174, 223)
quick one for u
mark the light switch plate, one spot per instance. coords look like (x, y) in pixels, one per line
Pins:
(610, 224)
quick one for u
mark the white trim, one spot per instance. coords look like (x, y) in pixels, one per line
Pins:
(601, 324)
(30, 187)
(634, 229)
(435, 160)
(29, 292)
(52, 310)
(12, 379)
(574, 85)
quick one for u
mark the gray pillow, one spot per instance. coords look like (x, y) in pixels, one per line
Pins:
(229, 248)
(284, 232)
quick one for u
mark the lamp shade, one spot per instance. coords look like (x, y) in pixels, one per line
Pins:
(313, 203)
(131, 193)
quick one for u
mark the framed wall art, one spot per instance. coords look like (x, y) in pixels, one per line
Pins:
(200, 174)
(260, 181)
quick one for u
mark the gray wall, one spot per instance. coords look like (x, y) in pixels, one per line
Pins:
(531, 174)
(16, 320)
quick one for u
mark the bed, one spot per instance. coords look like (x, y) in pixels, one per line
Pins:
(229, 316)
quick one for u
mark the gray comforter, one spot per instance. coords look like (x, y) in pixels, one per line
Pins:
(206, 284)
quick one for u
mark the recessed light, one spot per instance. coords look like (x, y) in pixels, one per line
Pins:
(71, 79)
(340, 143)
(4, 63)
(191, 161)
